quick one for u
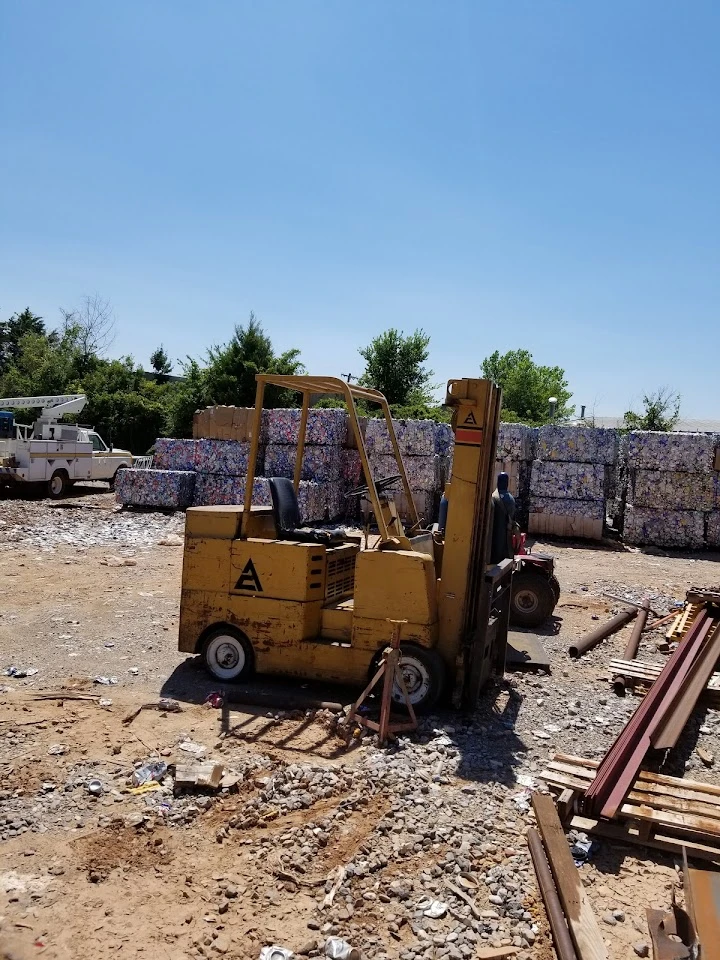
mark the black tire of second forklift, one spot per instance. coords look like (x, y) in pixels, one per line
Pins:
(545, 594)
(555, 584)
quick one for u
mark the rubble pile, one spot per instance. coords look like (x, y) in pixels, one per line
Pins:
(673, 494)
(572, 480)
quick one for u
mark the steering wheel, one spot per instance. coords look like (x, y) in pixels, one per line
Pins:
(380, 486)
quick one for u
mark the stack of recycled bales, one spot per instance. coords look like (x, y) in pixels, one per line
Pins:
(424, 451)
(221, 471)
(322, 486)
(673, 494)
(167, 489)
(572, 480)
(516, 446)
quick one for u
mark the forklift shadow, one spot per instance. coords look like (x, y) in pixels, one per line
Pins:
(272, 712)
(489, 747)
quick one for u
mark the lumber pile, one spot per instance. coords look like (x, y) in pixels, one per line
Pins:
(659, 811)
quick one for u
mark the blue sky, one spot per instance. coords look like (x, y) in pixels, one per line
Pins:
(529, 174)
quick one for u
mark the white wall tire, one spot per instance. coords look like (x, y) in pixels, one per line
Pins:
(228, 655)
(423, 672)
(57, 485)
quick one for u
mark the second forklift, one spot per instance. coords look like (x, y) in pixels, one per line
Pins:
(261, 592)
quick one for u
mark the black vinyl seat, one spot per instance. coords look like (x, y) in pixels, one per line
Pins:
(286, 513)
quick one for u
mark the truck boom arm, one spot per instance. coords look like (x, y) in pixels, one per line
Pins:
(52, 407)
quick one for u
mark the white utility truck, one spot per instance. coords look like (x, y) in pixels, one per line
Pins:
(52, 453)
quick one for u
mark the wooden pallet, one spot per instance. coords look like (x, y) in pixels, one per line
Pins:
(642, 675)
(661, 811)
(684, 621)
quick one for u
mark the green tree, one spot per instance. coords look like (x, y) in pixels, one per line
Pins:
(41, 365)
(13, 330)
(231, 368)
(395, 365)
(185, 397)
(527, 387)
(161, 364)
(661, 411)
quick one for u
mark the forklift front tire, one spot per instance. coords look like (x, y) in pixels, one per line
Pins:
(228, 654)
(424, 675)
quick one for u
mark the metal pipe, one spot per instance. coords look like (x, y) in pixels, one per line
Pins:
(633, 643)
(630, 603)
(558, 925)
(601, 633)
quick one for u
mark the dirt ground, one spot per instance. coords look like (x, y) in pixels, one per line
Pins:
(105, 876)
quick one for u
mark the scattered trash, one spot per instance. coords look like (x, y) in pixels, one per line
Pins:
(707, 758)
(20, 674)
(146, 787)
(155, 770)
(165, 704)
(104, 702)
(522, 801)
(230, 779)
(215, 699)
(206, 774)
(525, 780)
(105, 681)
(338, 949)
(276, 953)
(134, 671)
(434, 909)
(189, 746)
(171, 540)
(582, 850)
(57, 749)
(95, 788)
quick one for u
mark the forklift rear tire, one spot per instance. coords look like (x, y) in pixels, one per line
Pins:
(555, 584)
(533, 599)
(424, 674)
(228, 654)
(57, 485)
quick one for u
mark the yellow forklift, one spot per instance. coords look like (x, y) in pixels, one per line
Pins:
(263, 593)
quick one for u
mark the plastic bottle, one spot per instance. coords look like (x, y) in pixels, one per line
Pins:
(151, 771)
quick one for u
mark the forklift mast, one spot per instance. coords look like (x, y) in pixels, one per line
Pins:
(473, 600)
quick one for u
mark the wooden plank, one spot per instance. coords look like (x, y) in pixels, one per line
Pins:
(705, 802)
(647, 775)
(658, 839)
(646, 806)
(581, 920)
(689, 790)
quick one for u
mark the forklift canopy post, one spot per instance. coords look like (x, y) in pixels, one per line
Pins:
(327, 386)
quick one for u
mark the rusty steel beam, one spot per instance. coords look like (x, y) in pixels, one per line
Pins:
(602, 632)
(618, 768)
(702, 891)
(667, 732)
(633, 643)
(558, 925)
